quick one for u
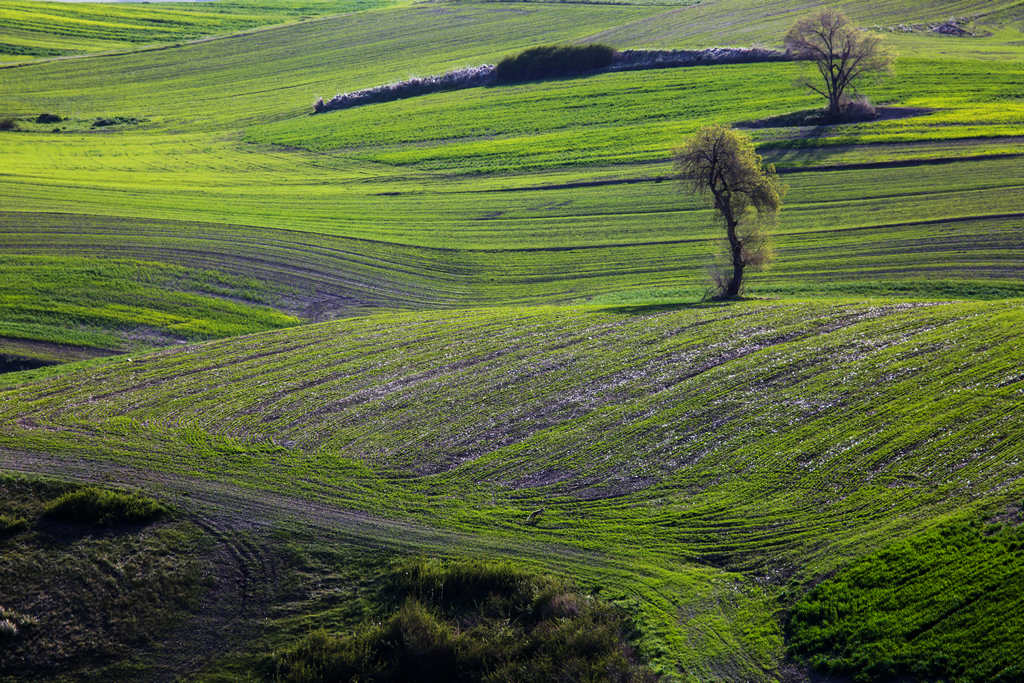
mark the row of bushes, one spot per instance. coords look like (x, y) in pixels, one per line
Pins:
(630, 60)
(552, 61)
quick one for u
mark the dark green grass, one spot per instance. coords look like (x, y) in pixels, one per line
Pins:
(942, 605)
(84, 601)
(117, 602)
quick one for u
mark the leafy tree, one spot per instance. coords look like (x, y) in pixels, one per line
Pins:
(746, 194)
(841, 51)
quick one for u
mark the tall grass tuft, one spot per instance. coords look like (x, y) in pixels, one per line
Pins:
(100, 507)
(10, 524)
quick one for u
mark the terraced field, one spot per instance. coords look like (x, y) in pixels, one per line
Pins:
(407, 327)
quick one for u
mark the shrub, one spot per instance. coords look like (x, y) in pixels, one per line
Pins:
(10, 524)
(858, 108)
(48, 118)
(103, 508)
(553, 61)
(463, 582)
(8, 629)
(104, 121)
(8, 124)
(473, 621)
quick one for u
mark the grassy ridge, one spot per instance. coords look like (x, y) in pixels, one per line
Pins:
(120, 304)
(630, 117)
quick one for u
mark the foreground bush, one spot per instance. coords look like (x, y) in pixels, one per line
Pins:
(103, 508)
(473, 622)
(553, 61)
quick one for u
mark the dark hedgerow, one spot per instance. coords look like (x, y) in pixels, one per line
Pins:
(473, 621)
(103, 508)
(554, 61)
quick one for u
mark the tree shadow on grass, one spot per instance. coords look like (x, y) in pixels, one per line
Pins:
(814, 124)
(665, 306)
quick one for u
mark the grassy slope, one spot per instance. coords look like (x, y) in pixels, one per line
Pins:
(31, 29)
(697, 458)
(449, 178)
(178, 162)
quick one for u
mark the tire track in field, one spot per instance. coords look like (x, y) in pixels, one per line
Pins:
(225, 506)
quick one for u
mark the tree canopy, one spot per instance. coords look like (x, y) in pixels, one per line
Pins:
(842, 52)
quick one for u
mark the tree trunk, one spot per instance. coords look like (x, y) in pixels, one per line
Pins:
(835, 93)
(736, 247)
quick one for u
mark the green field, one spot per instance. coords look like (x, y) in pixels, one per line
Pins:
(30, 29)
(400, 329)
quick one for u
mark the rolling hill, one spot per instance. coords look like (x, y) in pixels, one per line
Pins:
(469, 325)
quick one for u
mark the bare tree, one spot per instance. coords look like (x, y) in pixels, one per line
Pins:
(842, 52)
(746, 194)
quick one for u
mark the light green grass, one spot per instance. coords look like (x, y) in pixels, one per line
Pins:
(45, 29)
(120, 304)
